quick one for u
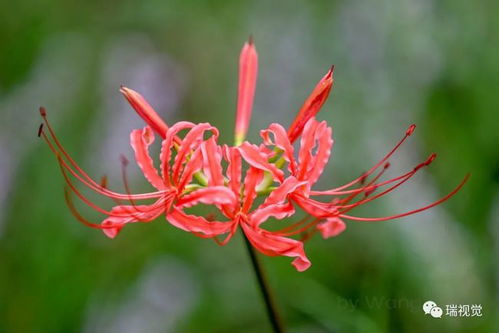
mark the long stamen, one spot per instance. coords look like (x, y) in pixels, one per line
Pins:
(360, 189)
(127, 213)
(408, 133)
(81, 196)
(289, 228)
(84, 178)
(367, 188)
(124, 163)
(300, 230)
(390, 189)
(385, 218)
(77, 215)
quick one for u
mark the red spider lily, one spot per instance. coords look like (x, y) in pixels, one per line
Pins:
(191, 173)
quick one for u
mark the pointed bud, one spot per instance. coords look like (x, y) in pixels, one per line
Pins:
(248, 69)
(145, 111)
(312, 105)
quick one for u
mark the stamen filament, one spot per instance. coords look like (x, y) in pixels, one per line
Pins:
(369, 219)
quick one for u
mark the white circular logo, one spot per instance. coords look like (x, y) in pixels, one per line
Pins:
(436, 312)
(428, 305)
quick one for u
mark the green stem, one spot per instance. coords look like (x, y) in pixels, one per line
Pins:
(264, 288)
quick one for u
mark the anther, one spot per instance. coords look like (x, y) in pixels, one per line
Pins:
(430, 159)
(40, 130)
(103, 181)
(410, 130)
(124, 160)
(387, 165)
(363, 178)
(43, 112)
(370, 190)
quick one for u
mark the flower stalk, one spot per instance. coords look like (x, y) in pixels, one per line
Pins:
(270, 305)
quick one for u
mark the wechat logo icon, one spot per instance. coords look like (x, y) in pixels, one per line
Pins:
(431, 308)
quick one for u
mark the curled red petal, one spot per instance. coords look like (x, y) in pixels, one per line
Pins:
(307, 144)
(191, 141)
(212, 195)
(253, 177)
(278, 211)
(168, 144)
(197, 224)
(313, 207)
(257, 159)
(193, 165)
(140, 141)
(273, 245)
(279, 195)
(130, 214)
(234, 168)
(321, 158)
(333, 226)
(282, 142)
(212, 159)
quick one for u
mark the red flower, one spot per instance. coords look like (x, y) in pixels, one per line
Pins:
(192, 172)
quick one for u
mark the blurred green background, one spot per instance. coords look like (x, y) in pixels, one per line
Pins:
(434, 63)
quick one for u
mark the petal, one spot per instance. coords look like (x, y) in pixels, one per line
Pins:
(278, 211)
(273, 245)
(212, 162)
(279, 195)
(190, 142)
(258, 159)
(253, 177)
(113, 229)
(282, 142)
(324, 146)
(333, 226)
(248, 69)
(197, 224)
(307, 144)
(168, 144)
(130, 214)
(193, 165)
(145, 111)
(234, 168)
(140, 141)
(312, 105)
(213, 195)
(313, 207)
